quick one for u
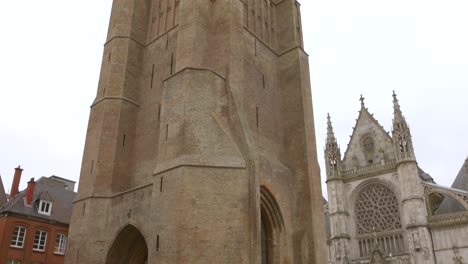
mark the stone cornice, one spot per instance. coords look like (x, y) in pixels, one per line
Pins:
(339, 213)
(448, 220)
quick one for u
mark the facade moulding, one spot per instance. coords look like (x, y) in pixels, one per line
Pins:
(194, 69)
(412, 198)
(124, 37)
(341, 237)
(362, 177)
(115, 98)
(374, 169)
(138, 42)
(114, 195)
(405, 161)
(334, 179)
(278, 54)
(447, 221)
(339, 213)
(451, 249)
(193, 162)
(416, 226)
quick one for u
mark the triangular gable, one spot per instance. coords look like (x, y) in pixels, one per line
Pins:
(461, 182)
(45, 196)
(367, 126)
(3, 197)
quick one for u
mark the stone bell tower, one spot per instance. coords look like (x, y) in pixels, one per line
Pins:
(201, 145)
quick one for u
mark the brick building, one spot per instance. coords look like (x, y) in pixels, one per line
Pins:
(34, 222)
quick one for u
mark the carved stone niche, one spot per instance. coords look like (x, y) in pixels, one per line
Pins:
(368, 147)
(416, 241)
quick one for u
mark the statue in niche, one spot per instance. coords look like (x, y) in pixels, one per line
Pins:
(382, 156)
(416, 241)
(378, 258)
(355, 162)
(338, 250)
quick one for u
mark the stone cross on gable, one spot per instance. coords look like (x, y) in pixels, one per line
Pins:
(362, 100)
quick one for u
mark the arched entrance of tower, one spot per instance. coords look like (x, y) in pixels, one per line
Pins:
(129, 248)
(272, 228)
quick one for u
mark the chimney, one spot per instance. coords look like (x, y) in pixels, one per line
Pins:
(16, 181)
(30, 191)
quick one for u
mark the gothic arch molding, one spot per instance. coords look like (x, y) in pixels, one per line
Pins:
(129, 247)
(384, 182)
(271, 228)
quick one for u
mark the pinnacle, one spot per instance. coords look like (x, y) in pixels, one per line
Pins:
(397, 114)
(330, 133)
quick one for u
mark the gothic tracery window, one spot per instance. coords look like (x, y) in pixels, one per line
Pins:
(377, 210)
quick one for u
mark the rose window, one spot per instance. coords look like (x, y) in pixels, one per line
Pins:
(377, 210)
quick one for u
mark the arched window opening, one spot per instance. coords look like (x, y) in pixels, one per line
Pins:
(129, 248)
(266, 242)
(378, 221)
(446, 204)
(272, 226)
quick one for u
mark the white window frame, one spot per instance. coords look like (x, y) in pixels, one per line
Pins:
(15, 239)
(13, 261)
(60, 243)
(40, 240)
(45, 207)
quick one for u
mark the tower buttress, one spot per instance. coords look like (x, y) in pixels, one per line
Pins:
(338, 210)
(414, 210)
(203, 108)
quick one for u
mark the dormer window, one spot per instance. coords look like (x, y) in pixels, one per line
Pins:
(45, 207)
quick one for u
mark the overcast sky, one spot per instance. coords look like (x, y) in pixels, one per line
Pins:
(50, 56)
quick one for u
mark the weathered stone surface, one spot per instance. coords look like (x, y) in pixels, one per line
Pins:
(201, 132)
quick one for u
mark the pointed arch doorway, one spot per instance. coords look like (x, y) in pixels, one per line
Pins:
(272, 226)
(129, 248)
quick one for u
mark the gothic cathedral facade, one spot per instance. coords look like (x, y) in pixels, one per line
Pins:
(200, 145)
(383, 208)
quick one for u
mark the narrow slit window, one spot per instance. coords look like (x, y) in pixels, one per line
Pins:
(159, 113)
(152, 77)
(256, 116)
(255, 47)
(157, 243)
(167, 131)
(172, 63)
